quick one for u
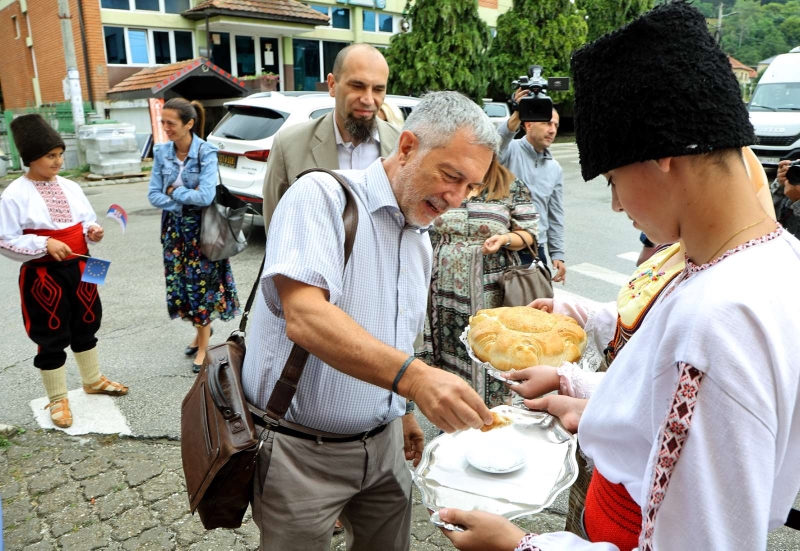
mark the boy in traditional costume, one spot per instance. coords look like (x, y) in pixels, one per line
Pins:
(695, 431)
(46, 222)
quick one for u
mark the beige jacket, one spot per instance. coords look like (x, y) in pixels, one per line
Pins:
(311, 144)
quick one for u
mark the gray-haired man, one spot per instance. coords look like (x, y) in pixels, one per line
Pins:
(359, 325)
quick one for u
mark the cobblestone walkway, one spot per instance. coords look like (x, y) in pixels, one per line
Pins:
(96, 492)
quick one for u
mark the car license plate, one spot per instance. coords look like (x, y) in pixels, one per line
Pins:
(769, 160)
(227, 160)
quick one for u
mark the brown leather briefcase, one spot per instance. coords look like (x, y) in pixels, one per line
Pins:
(219, 443)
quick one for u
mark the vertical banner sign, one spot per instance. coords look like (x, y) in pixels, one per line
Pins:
(156, 105)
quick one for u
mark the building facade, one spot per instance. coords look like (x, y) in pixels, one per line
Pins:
(115, 39)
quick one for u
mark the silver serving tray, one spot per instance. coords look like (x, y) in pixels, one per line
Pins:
(489, 368)
(555, 448)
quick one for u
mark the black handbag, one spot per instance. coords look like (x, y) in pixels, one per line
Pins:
(524, 284)
(219, 443)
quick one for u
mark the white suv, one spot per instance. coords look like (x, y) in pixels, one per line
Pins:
(244, 135)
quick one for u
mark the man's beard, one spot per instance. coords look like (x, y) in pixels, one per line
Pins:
(360, 129)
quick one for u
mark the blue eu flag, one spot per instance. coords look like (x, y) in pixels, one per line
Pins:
(95, 271)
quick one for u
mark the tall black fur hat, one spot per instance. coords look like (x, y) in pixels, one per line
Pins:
(34, 137)
(657, 87)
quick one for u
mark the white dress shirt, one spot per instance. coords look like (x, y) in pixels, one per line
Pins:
(357, 157)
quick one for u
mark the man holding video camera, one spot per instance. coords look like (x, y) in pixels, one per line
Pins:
(786, 196)
(530, 160)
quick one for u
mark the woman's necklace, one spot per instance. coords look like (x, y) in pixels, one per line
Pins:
(713, 256)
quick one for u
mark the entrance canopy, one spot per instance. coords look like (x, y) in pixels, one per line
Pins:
(193, 79)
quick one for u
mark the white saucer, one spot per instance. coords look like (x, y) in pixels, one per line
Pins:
(496, 460)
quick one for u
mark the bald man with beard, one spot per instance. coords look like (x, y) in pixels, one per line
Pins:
(350, 137)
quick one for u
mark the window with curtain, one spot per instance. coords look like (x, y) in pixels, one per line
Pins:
(137, 43)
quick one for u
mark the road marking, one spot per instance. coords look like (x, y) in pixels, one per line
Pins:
(633, 256)
(91, 413)
(603, 274)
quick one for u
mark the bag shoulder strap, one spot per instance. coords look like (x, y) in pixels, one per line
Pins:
(533, 250)
(285, 388)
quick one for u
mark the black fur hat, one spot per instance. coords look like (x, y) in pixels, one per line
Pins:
(657, 87)
(34, 138)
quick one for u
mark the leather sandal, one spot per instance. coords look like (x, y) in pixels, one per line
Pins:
(60, 413)
(104, 386)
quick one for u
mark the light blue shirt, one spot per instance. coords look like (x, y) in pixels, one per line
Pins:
(384, 289)
(545, 178)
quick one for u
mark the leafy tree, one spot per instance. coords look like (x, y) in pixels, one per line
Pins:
(603, 16)
(445, 50)
(791, 29)
(755, 32)
(535, 32)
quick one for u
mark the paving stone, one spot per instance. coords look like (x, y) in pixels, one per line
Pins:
(9, 488)
(104, 484)
(72, 456)
(47, 481)
(249, 535)
(140, 471)
(216, 540)
(96, 536)
(41, 546)
(155, 538)
(19, 536)
(116, 503)
(71, 519)
(17, 512)
(91, 466)
(39, 461)
(171, 509)
(53, 502)
(188, 530)
(19, 452)
(132, 523)
(542, 523)
(423, 530)
(162, 486)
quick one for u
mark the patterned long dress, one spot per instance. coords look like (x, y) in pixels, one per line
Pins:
(198, 289)
(464, 281)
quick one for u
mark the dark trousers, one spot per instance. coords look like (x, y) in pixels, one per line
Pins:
(59, 310)
(527, 259)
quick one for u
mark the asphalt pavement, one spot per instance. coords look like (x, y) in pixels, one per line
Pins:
(140, 346)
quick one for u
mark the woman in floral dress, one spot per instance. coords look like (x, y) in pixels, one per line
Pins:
(472, 246)
(183, 181)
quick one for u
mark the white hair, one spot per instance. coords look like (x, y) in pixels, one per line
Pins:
(437, 118)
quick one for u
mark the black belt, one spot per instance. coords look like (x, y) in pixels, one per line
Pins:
(321, 439)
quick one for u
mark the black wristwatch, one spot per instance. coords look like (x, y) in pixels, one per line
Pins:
(410, 406)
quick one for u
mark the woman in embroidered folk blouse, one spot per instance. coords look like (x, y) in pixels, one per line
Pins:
(696, 429)
(183, 181)
(472, 246)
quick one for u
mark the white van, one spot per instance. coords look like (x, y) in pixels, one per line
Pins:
(775, 111)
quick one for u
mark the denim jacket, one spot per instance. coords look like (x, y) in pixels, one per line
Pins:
(199, 176)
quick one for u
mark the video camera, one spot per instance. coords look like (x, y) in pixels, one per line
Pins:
(793, 174)
(536, 106)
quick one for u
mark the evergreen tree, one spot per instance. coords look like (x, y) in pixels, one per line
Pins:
(603, 16)
(536, 32)
(445, 50)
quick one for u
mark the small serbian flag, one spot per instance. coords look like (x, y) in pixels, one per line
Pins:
(95, 271)
(118, 213)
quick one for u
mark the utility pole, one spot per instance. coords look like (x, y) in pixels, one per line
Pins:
(719, 24)
(75, 94)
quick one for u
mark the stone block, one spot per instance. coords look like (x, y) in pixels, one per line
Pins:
(91, 466)
(116, 503)
(140, 471)
(162, 486)
(96, 536)
(39, 461)
(71, 456)
(132, 523)
(173, 508)
(24, 534)
(48, 480)
(104, 484)
(9, 488)
(71, 519)
(16, 512)
(188, 530)
(156, 538)
(218, 539)
(53, 502)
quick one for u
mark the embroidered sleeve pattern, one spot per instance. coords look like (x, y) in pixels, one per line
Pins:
(674, 432)
(526, 543)
(577, 383)
(21, 250)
